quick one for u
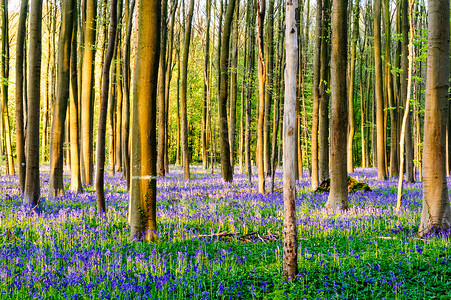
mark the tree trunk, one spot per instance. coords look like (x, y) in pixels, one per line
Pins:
(161, 91)
(261, 8)
(290, 235)
(184, 115)
(87, 92)
(323, 109)
(250, 16)
(355, 35)
(62, 94)
(233, 85)
(143, 213)
(206, 88)
(75, 178)
(436, 214)
(316, 83)
(126, 95)
(20, 122)
(338, 196)
(101, 131)
(381, 174)
(32, 183)
(269, 87)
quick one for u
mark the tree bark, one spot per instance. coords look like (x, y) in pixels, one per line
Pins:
(184, 116)
(62, 95)
(75, 178)
(206, 88)
(101, 131)
(32, 183)
(316, 83)
(143, 213)
(226, 167)
(261, 69)
(162, 90)
(290, 236)
(20, 120)
(233, 85)
(250, 15)
(87, 92)
(436, 213)
(338, 196)
(381, 174)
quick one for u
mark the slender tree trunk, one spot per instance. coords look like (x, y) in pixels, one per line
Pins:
(20, 78)
(338, 196)
(206, 88)
(126, 94)
(184, 116)
(290, 236)
(32, 183)
(269, 87)
(162, 90)
(250, 15)
(316, 83)
(355, 35)
(323, 109)
(233, 85)
(4, 89)
(226, 167)
(143, 214)
(60, 107)
(261, 8)
(75, 178)
(436, 214)
(87, 95)
(381, 174)
(101, 131)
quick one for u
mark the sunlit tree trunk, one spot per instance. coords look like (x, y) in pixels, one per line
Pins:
(184, 115)
(143, 213)
(162, 90)
(75, 178)
(20, 122)
(381, 174)
(338, 196)
(206, 87)
(101, 131)
(233, 84)
(261, 69)
(32, 183)
(250, 16)
(316, 83)
(355, 35)
(62, 95)
(87, 92)
(126, 94)
(436, 214)
(290, 236)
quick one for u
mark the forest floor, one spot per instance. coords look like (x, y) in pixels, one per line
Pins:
(219, 241)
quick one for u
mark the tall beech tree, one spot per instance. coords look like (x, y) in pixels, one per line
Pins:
(381, 174)
(183, 85)
(101, 131)
(226, 166)
(161, 91)
(207, 91)
(4, 89)
(75, 174)
(126, 94)
(20, 78)
(261, 72)
(87, 91)
(436, 213)
(233, 84)
(316, 83)
(32, 183)
(338, 196)
(143, 193)
(62, 95)
(290, 235)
